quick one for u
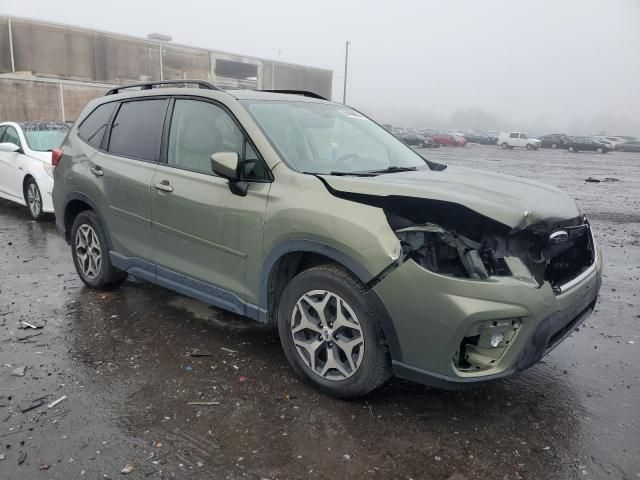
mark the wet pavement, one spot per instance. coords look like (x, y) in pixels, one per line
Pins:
(122, 359)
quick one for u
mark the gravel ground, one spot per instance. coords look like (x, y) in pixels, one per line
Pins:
(122, 360)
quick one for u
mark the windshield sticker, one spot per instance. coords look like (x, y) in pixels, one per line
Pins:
(353, 114)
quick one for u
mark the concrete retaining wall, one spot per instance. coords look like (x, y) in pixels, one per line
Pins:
(26, 100)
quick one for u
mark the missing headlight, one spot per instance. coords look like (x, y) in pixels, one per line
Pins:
(448, 253)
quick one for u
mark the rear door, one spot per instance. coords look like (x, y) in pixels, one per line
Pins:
(205, 234)
(122, 171)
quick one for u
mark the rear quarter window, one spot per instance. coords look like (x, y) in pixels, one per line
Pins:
(95, 125)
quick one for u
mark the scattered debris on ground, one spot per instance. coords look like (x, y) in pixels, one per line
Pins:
(18, 371)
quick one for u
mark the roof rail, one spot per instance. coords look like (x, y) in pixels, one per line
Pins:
(304, 93)
(149, 85)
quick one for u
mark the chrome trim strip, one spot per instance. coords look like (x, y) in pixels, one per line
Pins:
(577, 280)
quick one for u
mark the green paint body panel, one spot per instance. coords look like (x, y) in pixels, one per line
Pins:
(432, 313)
(203, 231)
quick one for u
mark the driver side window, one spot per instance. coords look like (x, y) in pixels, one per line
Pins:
(200, 129)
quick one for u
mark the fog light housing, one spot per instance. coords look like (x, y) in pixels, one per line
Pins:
(496, 339)
(485, 343)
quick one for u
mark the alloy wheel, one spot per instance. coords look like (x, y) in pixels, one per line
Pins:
(327, 335)
(34, 200)
(88, 251)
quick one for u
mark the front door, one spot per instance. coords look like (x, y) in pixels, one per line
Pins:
(203, 233)
(11, 166)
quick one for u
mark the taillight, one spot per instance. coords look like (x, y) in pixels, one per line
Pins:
(56, 155)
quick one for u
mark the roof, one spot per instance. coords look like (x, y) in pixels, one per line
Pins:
(204, 88)
(261, 95)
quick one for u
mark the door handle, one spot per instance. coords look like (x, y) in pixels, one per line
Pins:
(164, 185)
(97, 171)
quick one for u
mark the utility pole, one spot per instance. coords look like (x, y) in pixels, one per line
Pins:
(346, 65)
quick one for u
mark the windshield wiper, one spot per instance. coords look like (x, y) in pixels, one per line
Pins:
(352, 174)
(393, 169)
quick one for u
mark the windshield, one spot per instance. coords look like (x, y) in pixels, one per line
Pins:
(44, 137)
(323, 138)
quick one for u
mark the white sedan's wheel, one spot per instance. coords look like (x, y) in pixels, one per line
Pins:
(34, 200)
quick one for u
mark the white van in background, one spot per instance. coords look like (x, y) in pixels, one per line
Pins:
(518, 139)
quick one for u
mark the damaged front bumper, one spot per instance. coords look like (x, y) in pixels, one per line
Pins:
(433, 314)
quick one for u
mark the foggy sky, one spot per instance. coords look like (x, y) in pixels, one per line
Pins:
(544, 65)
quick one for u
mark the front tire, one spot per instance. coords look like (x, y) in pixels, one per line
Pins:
(90, 252)
(330, 332)
(34, 200)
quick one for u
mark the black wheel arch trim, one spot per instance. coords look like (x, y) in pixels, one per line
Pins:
(366, 277)
(60, 219)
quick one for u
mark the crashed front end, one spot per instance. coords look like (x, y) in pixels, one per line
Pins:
(472, 299)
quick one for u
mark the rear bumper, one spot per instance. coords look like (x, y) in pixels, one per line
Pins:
(431, 314)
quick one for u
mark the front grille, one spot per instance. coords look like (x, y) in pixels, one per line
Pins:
(570, 259)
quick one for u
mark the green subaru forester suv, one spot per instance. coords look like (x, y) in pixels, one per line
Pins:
(303, 213)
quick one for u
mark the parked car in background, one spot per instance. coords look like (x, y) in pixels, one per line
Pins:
(449, 139)
(303, 213)
(605, 140)
(615, 141)
(553, 140)
(416, 140)
(588, 144)
(26, 172)
(518, 139)
(481, 138)
(629, 146)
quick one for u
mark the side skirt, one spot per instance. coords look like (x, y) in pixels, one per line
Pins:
(186, 285)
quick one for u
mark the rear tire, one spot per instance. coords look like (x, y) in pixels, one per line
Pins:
(323, 316)
(90, 252)
(505, 145)
(33, 198)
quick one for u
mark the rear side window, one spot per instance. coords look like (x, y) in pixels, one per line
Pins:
(93, 127)
(137, 129)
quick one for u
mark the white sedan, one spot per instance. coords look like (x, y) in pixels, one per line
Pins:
(26, 172)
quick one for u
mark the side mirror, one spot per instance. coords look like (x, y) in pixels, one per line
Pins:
(9, 147)
(226, 164)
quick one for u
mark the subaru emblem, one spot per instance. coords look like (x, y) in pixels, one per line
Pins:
(558, 237)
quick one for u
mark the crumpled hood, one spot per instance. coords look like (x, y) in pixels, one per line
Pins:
(503, 198)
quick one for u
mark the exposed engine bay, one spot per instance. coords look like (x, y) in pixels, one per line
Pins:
(555, 251)
(451, 239)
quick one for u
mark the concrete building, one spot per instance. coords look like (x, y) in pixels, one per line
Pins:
(49, 71)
